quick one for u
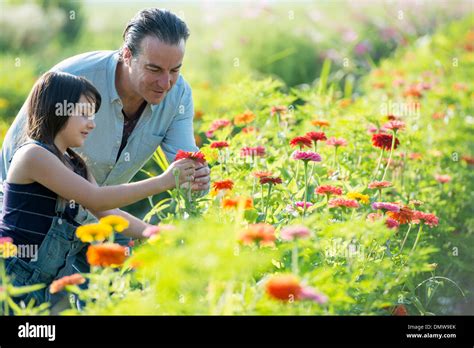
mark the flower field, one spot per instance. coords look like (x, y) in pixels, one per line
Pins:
(322, 202)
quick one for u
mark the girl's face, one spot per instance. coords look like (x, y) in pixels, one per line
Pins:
(79, 125)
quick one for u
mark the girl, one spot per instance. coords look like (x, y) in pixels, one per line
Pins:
(48, 186)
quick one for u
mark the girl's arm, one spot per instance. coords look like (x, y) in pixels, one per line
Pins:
(45, 168)
(136, 227)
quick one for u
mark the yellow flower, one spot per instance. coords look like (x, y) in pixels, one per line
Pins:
(3, 103)
(359, 196)
(118, 223)
(7, 249)
(94, 232)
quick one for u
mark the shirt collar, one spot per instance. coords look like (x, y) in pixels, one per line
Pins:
(111, 68)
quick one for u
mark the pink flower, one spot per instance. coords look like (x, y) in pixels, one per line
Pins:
(374, 217)
(391, 223)
(295, 232)
(386, 206)
(252, 151)
(217, 124)
(150, 231)
(336, 142)
(306, 156)
(442, 178)
(394, 125)
(308, 293)
(379, 184)
(341, 202)
(301, 204)
(5, 240)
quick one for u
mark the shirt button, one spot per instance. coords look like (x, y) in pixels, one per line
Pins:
(118, 142)
(110, 167)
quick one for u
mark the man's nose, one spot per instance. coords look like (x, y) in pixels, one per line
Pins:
(164, 82)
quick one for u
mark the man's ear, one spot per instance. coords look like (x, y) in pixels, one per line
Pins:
(127, 56)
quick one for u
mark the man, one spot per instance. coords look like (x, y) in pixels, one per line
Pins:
(146, 103)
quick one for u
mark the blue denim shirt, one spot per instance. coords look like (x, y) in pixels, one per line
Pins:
(168, 124)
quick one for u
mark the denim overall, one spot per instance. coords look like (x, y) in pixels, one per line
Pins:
(57, 253)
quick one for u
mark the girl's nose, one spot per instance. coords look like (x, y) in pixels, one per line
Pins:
(91, 123)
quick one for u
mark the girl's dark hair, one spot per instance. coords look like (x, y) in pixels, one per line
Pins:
(47, 114)
(162, 24)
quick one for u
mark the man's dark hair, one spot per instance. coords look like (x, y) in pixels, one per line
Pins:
(163, 24)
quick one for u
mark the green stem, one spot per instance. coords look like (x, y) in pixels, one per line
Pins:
(374, 175)
(390, 157)
(268, 201)
(305, 186)
(405, 239)
(294, 259)
(178, 192)
(4, 285)
(417, 236)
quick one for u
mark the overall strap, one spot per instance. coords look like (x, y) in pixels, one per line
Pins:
(31, 141)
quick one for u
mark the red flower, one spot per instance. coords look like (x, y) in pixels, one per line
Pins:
(328, 190)
(196, 156)
(301, 142)
(428, 219)
(219, 144)
(270, 180)
(384, 141)
(283, 287)
(341, 202)
(400, 310)
(316, 136)
(223, 185)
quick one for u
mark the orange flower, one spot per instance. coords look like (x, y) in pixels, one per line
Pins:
(262, 174)
(107, 254)
(279, 109)
(404, 216)
(261, 233)
(345, 103)
(320, 123)
(238, 202)
(244, 118)
(283, 287)
(198, 114)
(60, 284)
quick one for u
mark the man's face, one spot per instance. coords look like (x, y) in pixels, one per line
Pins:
(155, 69)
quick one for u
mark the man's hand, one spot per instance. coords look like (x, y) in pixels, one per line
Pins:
(202, 179)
